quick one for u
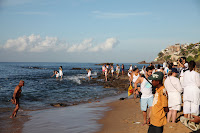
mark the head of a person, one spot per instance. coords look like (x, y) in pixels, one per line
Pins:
(117, 65)
(170, 65)
(21, 83)
(183, 60)
(192, 65)
(158, 66)
(152, 67)
(148, 71)
(173, 72)
(157, 79)
(136, 70)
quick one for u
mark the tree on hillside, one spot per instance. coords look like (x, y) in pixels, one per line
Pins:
(195, 51)
(160, 54)
(183, 52)
(189, 58)
(190, 46)
(167, 58)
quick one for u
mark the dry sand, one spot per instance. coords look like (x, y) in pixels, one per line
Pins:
(124, 114)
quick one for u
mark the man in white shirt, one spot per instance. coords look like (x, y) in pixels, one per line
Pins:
(146, 90)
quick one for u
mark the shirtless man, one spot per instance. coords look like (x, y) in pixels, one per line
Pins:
(16, 96)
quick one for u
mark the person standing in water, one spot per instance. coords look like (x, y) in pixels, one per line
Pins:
(89, 73)
(56, 73)
(61, 72)
(15, 98)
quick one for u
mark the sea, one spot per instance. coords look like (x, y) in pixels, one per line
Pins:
(41, 91)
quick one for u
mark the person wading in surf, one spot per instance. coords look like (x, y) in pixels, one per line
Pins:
(16, 96)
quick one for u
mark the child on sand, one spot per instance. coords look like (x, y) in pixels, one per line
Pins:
(160, 104)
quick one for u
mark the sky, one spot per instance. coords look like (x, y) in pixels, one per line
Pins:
(94, 31)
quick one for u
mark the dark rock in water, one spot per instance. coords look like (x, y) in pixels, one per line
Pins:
(76, 68)
(143, 62)
(34, 68)
(58, 105)
(105, 63)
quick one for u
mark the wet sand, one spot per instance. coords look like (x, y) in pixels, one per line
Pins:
(14, 125)
(126, 117)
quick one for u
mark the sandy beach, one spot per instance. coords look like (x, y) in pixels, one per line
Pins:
(126, 117)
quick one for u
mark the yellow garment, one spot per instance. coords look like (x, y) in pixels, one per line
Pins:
(130, 90)
(160, 101)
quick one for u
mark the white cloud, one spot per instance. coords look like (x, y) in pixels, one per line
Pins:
(35, 43)
(109, 44)
(85, 45)
(100, 14)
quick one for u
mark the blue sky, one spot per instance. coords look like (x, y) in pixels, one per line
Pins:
(125, 31)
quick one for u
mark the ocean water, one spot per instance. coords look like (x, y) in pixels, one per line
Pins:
(40, 90)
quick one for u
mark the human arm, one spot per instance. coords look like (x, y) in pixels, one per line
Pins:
(131, 78)
(135, 85)
(179, 87)
(53, 75)
(15, 94)
(197, 79)
(196, 119)
(164, 100)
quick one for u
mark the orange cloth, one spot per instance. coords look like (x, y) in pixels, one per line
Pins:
(160, 101)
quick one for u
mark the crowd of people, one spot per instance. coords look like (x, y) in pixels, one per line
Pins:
(163, 88)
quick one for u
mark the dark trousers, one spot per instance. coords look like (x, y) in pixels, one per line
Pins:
(154, 129)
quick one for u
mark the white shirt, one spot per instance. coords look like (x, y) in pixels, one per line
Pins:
(172, 84)
(191, 84)
(186, 65)
(146, 89)
(164, 64)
